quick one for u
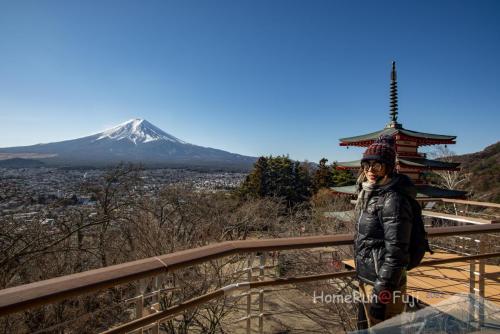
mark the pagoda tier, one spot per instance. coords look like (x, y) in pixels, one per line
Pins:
(410, 163)
(403, 137)
(415, 168)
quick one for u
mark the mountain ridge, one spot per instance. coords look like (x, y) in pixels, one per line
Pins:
(483, 168)
(134, 141)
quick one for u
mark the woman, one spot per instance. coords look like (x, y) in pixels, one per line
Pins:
(383, 230)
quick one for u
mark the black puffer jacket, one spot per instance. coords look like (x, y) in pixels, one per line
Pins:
(381, 247)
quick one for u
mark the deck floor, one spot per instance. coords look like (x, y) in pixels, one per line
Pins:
(434, 284)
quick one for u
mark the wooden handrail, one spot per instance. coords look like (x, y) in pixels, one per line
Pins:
(458, 218)
(475, 203)
(48, 291)
(450, 200)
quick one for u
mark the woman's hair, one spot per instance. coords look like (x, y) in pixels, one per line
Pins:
(361, 176)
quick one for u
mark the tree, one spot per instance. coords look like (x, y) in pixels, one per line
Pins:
(323, 177)
(342, 177)
(116, 192)
(256, 183)
(278, 177)
(327, 176)
(450, 179)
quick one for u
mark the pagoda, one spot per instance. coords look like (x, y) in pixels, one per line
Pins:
(408, 160)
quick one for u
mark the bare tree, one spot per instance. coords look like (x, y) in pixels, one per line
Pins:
(450, 179)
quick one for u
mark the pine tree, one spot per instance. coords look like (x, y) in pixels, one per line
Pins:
(323, 177)
(302, 182)
(342, 177)
(278, 177)
(256, 183)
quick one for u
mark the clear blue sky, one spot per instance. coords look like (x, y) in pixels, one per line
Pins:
(251, 77)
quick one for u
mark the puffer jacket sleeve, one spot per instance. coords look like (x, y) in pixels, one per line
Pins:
(397, 222)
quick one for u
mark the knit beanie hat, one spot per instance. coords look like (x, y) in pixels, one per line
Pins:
(382, 150)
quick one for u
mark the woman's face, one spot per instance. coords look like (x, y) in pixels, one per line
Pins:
(373, 170)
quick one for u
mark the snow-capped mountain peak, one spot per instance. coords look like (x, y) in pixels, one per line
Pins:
(135, 141)
(138, 131)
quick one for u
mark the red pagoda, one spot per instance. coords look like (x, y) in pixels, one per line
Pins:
(408, 160)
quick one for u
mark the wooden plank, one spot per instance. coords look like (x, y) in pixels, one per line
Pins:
(461, 219)
(435, 283)
(429, 199)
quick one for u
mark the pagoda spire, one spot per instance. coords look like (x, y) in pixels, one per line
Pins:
(394, 99)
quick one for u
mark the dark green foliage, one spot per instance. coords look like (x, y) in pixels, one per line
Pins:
(323, 177)
(329, 176)
(278, 177)
(342, 177)
(294, 181)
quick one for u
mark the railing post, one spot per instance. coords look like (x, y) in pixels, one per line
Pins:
(261, 292)
(156, 328)
(476, 289)
(472, 285)
(472, 292)
(139, 304)
(482, 249)
(249, 295)
(157, 287)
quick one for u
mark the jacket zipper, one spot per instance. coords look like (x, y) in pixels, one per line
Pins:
(375, 261)
(357, 237)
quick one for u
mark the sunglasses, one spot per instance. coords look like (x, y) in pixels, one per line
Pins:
(374, 165)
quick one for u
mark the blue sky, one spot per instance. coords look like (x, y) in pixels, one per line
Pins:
(251, 77)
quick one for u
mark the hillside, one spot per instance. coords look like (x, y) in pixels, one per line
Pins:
(484, 173)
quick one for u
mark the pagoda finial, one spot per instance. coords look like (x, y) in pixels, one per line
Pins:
(394, 95)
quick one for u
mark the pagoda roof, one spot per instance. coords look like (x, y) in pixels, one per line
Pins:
(407, 161)
(349, 164)
(427, 163)
(423, 191)
(394, 129)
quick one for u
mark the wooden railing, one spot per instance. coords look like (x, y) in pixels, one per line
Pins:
(22, 297)
(165, 314)
(459, 218)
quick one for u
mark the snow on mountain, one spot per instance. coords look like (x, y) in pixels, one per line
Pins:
(137, 131)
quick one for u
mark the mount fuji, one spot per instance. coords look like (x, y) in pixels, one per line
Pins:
(135, 141)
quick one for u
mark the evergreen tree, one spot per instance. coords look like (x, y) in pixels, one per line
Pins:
(302, 182)
(323, 177)
(278, 177)
(257, 182)
(342, 177)
(291, 180)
